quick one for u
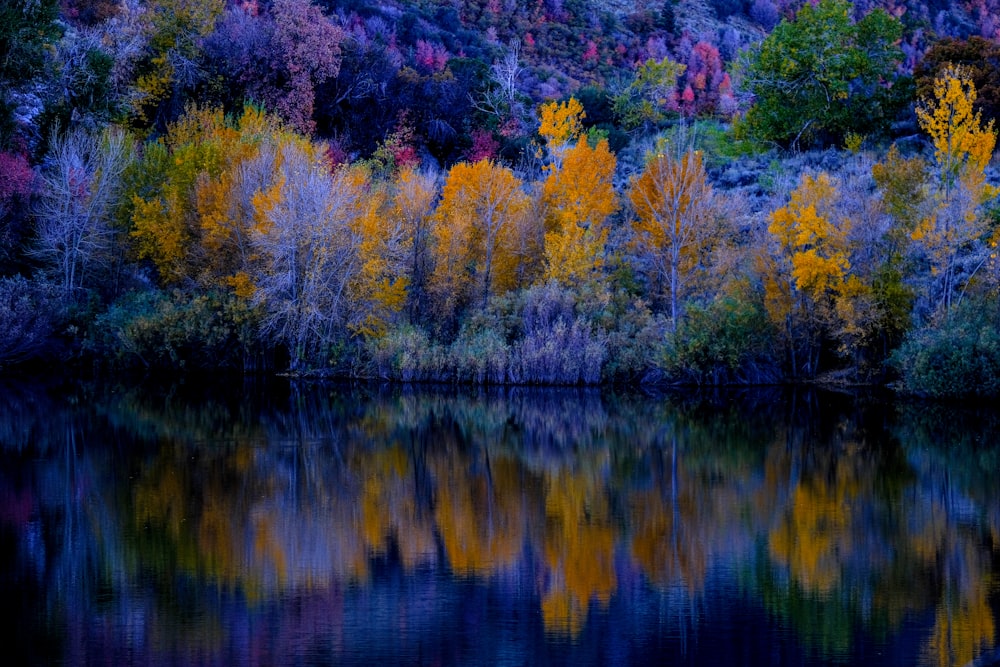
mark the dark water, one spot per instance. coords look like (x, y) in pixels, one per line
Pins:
(235, 524)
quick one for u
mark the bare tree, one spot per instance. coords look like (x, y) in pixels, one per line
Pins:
(310, 248)
(78, 189)
(502, 98)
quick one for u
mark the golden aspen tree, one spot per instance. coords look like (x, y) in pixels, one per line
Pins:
(193, 220)
(224, 205)
(561, 122)
(379, 290)
(963, 146)
(952, 239)
(578, 197)
(481, 210)
(677, 222)
(414, 195)
(809, 268)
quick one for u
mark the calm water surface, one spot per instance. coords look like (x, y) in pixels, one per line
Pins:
(239, 524)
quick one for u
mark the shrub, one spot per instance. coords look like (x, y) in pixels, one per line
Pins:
(408, 354)
(480, 355)
(30, 313)
(558, 346)
(726, 342)
(176, 331)
(955, 356)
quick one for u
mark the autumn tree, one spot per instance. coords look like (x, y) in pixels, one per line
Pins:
(823, 75)
(477, 228)
(560, 123)
(306, 233)
(578, 197)
(74, 231)
(414, 195)
(191, 208)
(807, 269)
(677, 222)
(379, 290)
(952, 239)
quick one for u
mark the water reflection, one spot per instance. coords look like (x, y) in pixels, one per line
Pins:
(361, 525)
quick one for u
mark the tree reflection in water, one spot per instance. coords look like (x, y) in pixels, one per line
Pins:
(347, 524)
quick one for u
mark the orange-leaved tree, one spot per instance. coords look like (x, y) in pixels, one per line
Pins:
(807, 269)
(578, 198)
(952, 240)
(677, 222)
(192, 211)
(414, 194)
(560, 123)
(476, 234)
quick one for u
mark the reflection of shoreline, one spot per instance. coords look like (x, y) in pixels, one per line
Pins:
(569, 496)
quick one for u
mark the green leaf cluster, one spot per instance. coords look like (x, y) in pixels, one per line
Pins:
(823, 75)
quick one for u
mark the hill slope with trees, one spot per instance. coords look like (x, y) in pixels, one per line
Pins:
(560, 191)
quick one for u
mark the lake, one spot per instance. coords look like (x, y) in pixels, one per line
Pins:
(233, 522)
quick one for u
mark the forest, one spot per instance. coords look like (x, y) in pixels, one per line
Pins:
(701, 192)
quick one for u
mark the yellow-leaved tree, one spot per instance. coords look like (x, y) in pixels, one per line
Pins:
(808, 268)
(478, 228)
(413, 197)
(378, 291)
(193, 216)
(678, 222)
(952, 240)
(560, 123)
(578, 198)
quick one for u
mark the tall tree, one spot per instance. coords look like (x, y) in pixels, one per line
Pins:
(952, 239)
(823, 75)
(807, 269)
(76, 198)
(482, 212)
(677, 222)
(191, 209)
(306, 233)
(413, 198)
(578, 197)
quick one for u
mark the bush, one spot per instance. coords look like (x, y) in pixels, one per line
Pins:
(408, 354)
(558, 346)
(956, 356)
(726, 342)
(176, 331)
(480, 355)
(30, 314)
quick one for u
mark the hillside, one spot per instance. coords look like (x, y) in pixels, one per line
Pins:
(547, 192)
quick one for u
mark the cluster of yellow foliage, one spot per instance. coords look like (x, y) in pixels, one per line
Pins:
(561, 122)
(579, 197)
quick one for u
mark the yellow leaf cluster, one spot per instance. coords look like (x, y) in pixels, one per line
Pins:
(963, 146)
(578, 196)
(481, 214)
(561, 123)
(806, 233)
